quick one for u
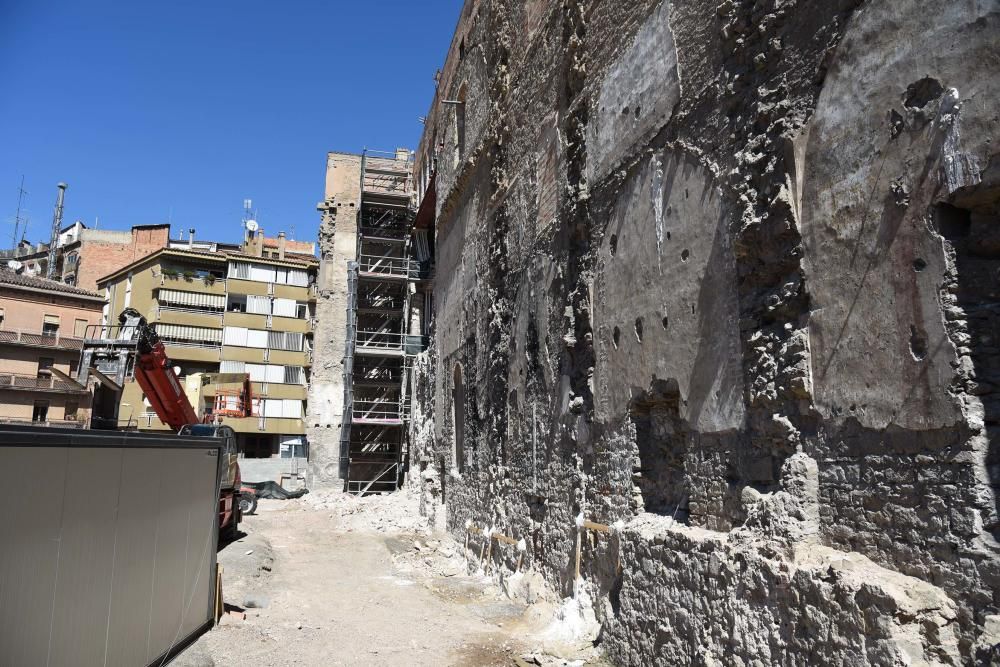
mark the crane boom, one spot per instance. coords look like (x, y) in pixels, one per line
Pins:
(163, 391)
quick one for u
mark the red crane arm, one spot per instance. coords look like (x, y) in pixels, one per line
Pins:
(163, 391)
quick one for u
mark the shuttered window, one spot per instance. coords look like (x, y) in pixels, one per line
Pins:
(240, 270)
(294, 375)
(298, 277)
(262, 273)
(198, 300)
(259, 305)
(284, 307)
(291, 408)
(179, 333)
(230, 366)
(257, 338)
(235, 336)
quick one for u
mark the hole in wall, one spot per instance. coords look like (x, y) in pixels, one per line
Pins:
(918, 344)
(638, 329)
(668, 236)
(951, 222)
(662, 440)
(613, 244)
(685, 254)
(920, 93)
(919, 265)
(664, 322)
(638, 110)
(625, 111)
(616, 336)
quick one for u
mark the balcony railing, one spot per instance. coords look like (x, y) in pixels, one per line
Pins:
(400, 267)
(379, 411)
(380, 340)
(18, 337)
(36, 383)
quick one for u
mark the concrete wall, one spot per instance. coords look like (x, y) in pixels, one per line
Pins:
(337, 246)
(725, 276)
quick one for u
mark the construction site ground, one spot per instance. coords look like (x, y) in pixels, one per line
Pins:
(331, 579)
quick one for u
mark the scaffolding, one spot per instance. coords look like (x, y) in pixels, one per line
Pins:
(379, 349)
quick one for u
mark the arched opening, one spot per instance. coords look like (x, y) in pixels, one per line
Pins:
(458, 419)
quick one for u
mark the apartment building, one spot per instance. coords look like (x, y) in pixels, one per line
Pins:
(83, 255)
(42, 324)
(249, 310)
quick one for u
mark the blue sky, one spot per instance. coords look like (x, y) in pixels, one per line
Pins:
(181, 109)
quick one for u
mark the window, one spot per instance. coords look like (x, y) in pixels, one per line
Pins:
(294, 375)
(40, 412)
(301, 311)
(45, 365)
(259, 305)
(50, 325)
(128, 291)
(1, 317)
(284, 307)
(239, 270)
(71, 409)
(237, 303)
(184, 335)
(80, 328)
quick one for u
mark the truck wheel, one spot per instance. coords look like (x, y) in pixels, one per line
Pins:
(248, 503)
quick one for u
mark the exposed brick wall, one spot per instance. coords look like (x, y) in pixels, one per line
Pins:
(99, 259)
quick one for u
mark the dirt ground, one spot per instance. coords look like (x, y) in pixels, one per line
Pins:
(330, 579)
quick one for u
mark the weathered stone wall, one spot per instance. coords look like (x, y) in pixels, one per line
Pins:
(337, 245)
(724, 275)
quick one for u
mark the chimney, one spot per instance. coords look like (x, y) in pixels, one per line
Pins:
(191, 238)
(259, 245)
(281, 245)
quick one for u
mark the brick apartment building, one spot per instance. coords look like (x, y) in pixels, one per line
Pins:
(83, 255)
(42, 324)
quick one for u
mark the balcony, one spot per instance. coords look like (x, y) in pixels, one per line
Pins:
(31, 339)
(181, 281)
(47, 383)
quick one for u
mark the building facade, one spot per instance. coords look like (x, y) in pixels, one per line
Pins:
(42, 325)
(247, 311)
(715, 321)
(83, 255)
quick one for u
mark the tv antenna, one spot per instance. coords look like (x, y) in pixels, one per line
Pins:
(17, 216)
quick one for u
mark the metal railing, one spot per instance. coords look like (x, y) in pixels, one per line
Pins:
(378, 411)
(380, 340)
(38, 382)
(164, 277)
(19, 337)
(402, 267)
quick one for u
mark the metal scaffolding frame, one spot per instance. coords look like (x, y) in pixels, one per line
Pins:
(378, 350)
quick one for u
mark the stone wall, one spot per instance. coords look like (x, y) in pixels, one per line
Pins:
(723, 276)
(337, 245)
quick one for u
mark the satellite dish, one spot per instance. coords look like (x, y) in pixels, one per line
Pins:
(14, 265)
(252, 225)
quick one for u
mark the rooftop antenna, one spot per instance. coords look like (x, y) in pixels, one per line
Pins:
(57, 216)
(291, 236)
(17, 216)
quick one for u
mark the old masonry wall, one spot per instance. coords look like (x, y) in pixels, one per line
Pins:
(726, 277)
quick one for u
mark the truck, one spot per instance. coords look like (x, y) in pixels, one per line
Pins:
(113, 354)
